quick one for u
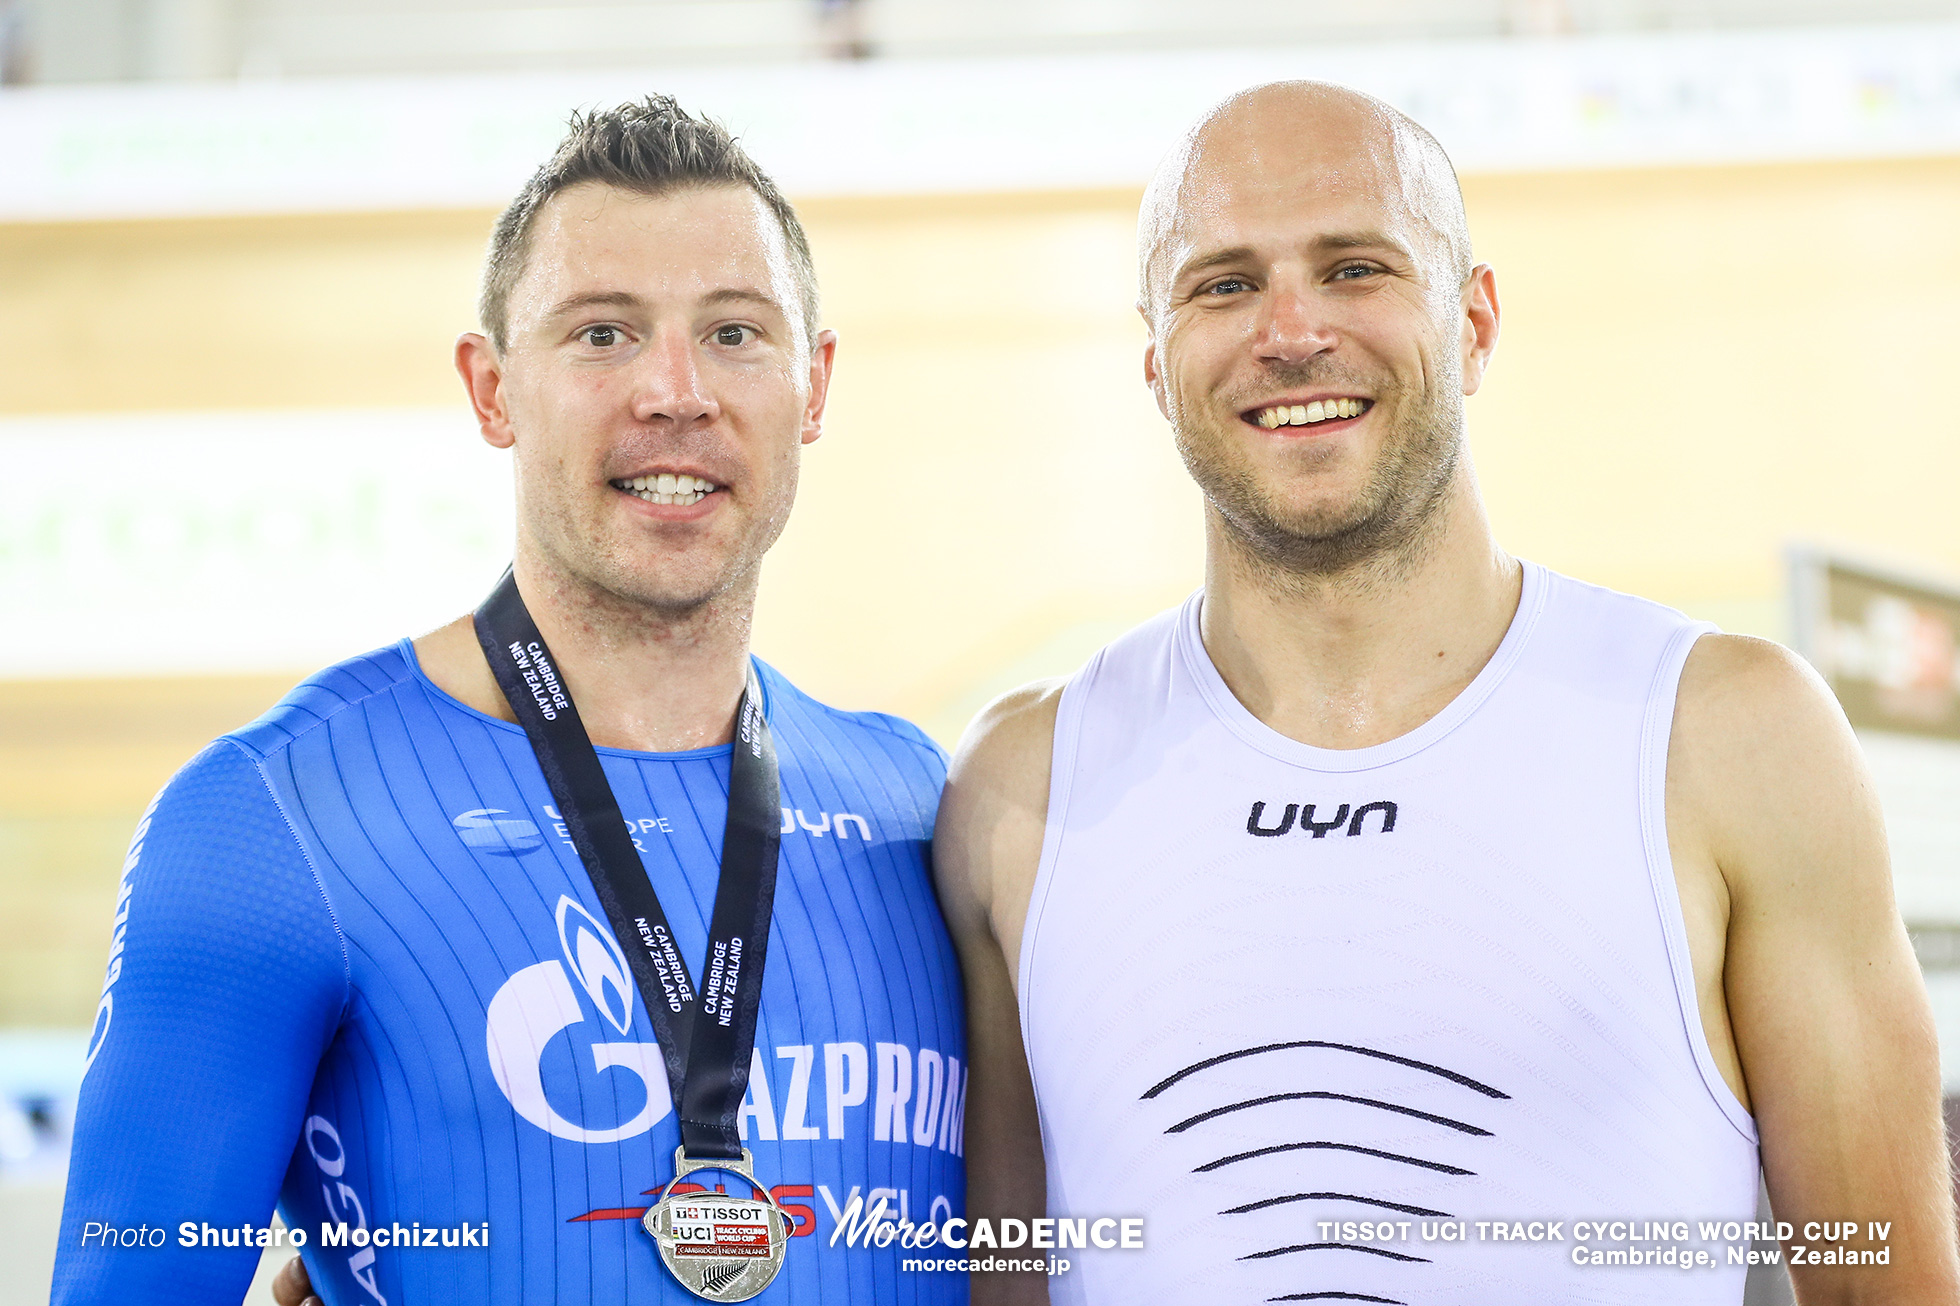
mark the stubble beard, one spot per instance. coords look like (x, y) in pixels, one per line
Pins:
(1379, 533)
(618, 579)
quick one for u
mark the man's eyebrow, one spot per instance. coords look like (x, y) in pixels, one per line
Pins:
(1327, 242)
(1339, 240)
(735, 295)
(595, 299)
(628, 300)
(1206, 262)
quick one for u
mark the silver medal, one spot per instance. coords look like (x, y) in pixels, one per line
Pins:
(721, 1248)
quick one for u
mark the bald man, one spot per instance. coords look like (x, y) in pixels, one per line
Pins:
(1399, 921)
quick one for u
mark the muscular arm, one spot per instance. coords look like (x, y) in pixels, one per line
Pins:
(1770, 806)
(986, 848)
(226, 983)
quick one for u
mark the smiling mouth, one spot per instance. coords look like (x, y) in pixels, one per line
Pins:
(676, 488)
(1275, 416)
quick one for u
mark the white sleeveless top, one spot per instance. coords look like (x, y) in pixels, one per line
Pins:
(1267, 987)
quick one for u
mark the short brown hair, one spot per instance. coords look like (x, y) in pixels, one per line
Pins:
(650, 147)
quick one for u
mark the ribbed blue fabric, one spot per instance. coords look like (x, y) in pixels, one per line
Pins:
(361, 968)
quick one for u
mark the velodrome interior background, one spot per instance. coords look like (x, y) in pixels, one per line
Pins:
(234, 253)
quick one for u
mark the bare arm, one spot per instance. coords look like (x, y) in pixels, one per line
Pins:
(986, 849)
(1831, 1027)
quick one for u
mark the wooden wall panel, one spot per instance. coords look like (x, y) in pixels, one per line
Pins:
(1697, 365)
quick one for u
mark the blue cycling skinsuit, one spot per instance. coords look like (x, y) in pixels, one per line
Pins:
(359, 969)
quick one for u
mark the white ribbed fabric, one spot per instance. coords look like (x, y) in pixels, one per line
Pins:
(1444, 978)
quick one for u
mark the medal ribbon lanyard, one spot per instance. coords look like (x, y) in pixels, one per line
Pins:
(706, 1036)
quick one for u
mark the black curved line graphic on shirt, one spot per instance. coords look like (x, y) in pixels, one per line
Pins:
(1223, 1161)
(1337, 1296)
(1334, 1247)
(1323, 1095)
(1209, 1062)
(1335, 1197)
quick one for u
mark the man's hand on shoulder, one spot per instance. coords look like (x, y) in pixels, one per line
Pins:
(1829, 1014)
(986, 849)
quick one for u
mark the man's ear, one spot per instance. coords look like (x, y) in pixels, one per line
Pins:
(1152, 377)
(823, 357)
(1480, 325)
(483, 377)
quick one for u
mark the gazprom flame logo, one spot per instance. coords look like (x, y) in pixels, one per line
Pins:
(538, 1004)
(597, 963)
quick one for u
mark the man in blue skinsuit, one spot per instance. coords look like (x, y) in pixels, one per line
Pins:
(360, 966)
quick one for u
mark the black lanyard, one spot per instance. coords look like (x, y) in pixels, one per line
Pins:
(707, 1037)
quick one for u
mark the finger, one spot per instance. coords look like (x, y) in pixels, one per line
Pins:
(291, 1287)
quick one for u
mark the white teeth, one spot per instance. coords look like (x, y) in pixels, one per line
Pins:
(669, 487)
(1320, 410)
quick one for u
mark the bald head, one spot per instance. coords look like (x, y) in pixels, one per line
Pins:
(1264, 146)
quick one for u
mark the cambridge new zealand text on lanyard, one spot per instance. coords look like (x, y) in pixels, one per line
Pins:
(721, 1248)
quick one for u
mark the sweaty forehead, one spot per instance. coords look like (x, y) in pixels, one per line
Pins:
(1283, 162)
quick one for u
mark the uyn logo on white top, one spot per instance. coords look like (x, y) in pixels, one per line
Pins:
(1356, 822)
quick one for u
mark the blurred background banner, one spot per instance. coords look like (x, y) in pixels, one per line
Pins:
(1888, 645)
(238, 238)
(173, 543)
(1059, 121)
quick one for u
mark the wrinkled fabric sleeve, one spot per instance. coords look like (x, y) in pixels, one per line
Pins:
(227, 980)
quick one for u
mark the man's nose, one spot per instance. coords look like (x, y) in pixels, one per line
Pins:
(1293, 325)
(668, 384)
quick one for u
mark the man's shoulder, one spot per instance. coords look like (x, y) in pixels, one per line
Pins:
(1008, 746)
(817, 725)
(345, 686)
(1745, 708)
(1004, 761)
(1593, 619)
(1761, 757)
(1746, 697)
(1013, 729)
